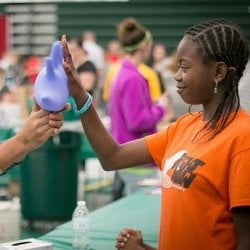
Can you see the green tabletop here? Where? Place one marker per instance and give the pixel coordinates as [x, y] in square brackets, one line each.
[139, 210]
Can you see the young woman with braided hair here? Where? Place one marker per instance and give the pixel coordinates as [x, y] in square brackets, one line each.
[204, 157]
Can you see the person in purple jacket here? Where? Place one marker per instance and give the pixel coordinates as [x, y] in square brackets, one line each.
[132, 112]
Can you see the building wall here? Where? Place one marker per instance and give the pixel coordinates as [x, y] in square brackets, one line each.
[167, 19]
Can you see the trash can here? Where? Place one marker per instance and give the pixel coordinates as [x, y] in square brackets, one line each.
[49, 179]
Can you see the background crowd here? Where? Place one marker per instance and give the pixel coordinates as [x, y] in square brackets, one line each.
[97, 67]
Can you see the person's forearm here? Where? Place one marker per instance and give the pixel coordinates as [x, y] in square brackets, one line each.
[112, 155]
[12, 151]
[101, 141]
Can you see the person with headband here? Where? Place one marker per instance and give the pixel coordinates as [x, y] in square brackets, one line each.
[244, 90]
[132, 48]
[203, 157]
[132, 112]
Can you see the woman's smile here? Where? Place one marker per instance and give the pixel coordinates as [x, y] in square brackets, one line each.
[180, 89]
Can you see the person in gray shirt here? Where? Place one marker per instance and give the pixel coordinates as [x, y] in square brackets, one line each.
[244, 88]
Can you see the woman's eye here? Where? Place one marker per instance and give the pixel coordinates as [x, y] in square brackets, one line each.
[181, 66]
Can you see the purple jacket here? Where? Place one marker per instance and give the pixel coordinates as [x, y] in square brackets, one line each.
[132, 112]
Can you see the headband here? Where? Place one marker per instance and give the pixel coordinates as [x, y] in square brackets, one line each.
[138, 45]
[232, 68]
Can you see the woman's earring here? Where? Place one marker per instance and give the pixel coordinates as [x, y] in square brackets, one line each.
[216, 87]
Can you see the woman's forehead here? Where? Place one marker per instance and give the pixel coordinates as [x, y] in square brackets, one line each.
[188, 49]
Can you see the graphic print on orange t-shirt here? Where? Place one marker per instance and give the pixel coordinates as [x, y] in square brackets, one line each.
[178, 170]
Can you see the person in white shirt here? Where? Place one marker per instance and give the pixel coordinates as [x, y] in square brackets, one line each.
[244, 88]
[97, 57]
[94, 50]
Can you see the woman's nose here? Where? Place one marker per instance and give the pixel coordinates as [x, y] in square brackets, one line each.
[177, 75]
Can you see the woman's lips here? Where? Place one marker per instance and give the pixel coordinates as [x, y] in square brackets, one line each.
[180, 89]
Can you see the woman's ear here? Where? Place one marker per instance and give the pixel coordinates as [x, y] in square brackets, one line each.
[220, 71]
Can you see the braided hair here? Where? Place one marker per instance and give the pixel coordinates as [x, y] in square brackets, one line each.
[220, 40]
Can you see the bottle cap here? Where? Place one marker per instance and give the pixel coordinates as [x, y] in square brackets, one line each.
[81, 203]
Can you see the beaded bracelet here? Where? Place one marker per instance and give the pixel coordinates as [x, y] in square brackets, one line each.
[85, 107]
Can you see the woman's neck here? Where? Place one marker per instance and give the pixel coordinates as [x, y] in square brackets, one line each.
[135, 58]
[210, 110]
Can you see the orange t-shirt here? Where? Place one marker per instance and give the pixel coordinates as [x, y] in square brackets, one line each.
[201, 182]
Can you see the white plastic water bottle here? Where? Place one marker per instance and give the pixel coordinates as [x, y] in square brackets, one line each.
[80, 224]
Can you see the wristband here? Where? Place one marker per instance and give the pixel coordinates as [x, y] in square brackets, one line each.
[85, 107]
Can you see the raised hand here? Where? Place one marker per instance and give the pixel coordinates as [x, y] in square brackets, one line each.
[73, 79]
